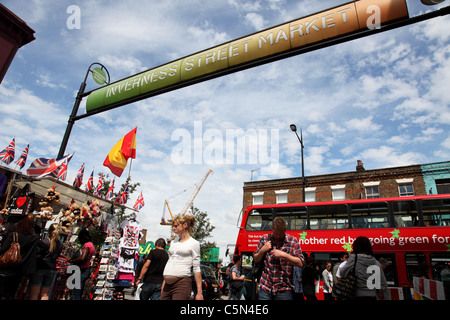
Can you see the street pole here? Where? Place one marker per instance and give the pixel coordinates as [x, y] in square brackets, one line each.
[76, 106]
[300, 139]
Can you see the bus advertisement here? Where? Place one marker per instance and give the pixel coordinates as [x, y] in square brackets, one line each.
[407, 233]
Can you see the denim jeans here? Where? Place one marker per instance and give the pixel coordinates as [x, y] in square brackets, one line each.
[77, 293]
[281, 295]
[150, 291]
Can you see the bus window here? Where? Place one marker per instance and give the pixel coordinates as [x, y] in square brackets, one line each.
[370, 215]
[328, 217]
[440, 266]
[415, 264]
[322, 258]
[436, 212]
[405, 213]
[389, 267]
[296, 218]
[259, 220]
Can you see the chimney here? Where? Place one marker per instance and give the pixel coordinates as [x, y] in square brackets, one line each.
[359, 166]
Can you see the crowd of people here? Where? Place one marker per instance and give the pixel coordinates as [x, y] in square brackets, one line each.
[287, 272]
[290, 274]
[38, 259]
[164, 276]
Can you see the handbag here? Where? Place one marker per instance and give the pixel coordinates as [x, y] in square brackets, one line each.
[236, 285]
[11, 257]
[346, 288]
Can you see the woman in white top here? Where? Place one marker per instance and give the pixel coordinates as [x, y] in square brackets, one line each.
[184, 254]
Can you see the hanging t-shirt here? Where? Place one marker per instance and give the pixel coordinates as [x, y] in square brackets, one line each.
[131, 231]
[126, 259]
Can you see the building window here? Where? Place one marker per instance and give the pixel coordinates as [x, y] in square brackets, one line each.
[310, 194]
[372, 189]
[338, 192]
[442, 186]
[282, 196]
[405, 187]
[257, 197]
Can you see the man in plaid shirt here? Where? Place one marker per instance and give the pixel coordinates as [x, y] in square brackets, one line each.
[283, 252]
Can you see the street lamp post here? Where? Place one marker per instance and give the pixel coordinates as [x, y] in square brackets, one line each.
[76, 105]
[300, 139]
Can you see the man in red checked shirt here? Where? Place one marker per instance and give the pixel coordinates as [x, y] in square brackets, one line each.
[283, 253]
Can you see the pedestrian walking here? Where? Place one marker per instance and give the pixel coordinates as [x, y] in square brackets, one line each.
[48, 250]
[184, 254]
[237, 280]
[298, 284]
[327, 277]
[283, 252]
[10, 278]
[335, 271]
[83, 261]
[309, 278]
[151, 274]
[370, 282]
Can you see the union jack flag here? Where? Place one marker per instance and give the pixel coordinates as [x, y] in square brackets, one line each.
[139, 203]
[98, 190]
[110, 192]
[7, 155]
[62, 170]
[23, 157]
[90, 183]
[122, 197]
[79, 178]
[43, 167]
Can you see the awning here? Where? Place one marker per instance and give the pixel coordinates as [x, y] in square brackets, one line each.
[67, 192]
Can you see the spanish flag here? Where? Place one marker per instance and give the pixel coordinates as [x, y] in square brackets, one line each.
[125, 148]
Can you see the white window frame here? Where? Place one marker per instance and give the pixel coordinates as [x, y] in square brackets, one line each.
[336, 192]
[405, 182]
[310, 194]
[282, 196]
[372, 184]
[258, 198]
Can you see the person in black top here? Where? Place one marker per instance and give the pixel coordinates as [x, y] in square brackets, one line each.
[152, 272]
[10, 277]
[48, 251]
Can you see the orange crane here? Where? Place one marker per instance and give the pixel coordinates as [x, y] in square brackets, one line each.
[188, 204]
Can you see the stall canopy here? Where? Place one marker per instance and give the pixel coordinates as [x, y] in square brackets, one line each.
[67, 192]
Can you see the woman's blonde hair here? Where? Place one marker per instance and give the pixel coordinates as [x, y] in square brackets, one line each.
[189, 220]
[53, 235]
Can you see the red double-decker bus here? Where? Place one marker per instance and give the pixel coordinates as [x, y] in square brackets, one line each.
[407, 232]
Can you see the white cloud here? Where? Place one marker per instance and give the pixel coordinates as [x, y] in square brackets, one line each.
[364, 124]
[255, 20]
[124, 65]
[385, 156]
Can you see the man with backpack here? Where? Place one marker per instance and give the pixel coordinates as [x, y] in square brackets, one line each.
[280, 253]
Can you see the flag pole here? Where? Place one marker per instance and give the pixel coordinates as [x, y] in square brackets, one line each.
[129, 170]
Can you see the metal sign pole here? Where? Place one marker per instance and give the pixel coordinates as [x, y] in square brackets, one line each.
[76, 106]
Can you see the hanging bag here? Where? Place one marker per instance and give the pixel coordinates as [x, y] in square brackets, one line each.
[22, 204]
[11, 257]
[346, 288]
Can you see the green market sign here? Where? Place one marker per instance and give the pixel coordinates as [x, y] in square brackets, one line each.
[266, 46]
[99, 76]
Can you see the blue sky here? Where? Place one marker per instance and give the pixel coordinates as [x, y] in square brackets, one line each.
[383, 99]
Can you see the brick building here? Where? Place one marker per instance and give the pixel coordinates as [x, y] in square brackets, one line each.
[14, 33]
[358, 184]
